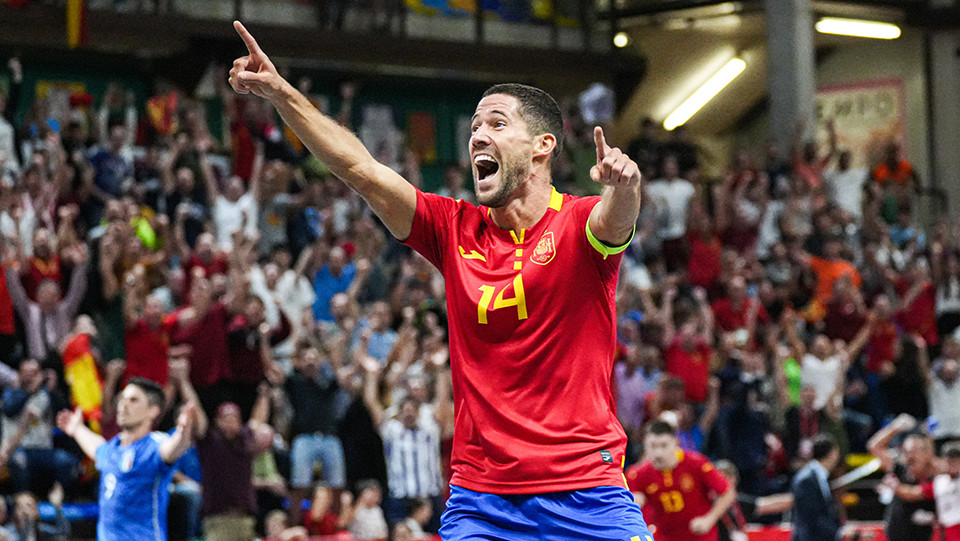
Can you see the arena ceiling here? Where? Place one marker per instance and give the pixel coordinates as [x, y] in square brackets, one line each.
[685, 41]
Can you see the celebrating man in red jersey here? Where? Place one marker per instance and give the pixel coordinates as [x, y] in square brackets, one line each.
[531, 277]
[682, 494]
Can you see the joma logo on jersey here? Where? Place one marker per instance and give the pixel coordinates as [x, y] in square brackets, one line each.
[545, 250]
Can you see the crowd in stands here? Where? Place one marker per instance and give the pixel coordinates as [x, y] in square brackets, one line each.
[793, 297]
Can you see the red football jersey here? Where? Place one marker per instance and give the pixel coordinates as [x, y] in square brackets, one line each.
[675, 497]
[532, 339]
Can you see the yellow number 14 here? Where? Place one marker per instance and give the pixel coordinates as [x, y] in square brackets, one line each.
[519, 300]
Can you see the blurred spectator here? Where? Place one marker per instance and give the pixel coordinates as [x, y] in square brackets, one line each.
[43, 264]
[636, 376]
[285, 291]
[688, 347]
[202, 325]
[277, 528]
[373, 335]
[846, 184]
[453, 181]
[905, 386]
[147, 335]
[366, 517]
[411, 441]
[335, 274]
[945, 269]
[312, 390]
[233, 209]
[741, 202]
[187, 469]
[645, 148]
[671, 197]
[320, 518]
[49, 319]
[26, 524]
[942, 489]
[227, 449]
[250, 340]
[9, 155]
[703, 265]
[808, 164]
[685, 152]
[739, 310]
[28, 415]
[912, 463]
[732, 524]
[113, 173]
[944, 392]
[918, 297]
[805, 423]
[419, 513]
[895, 175]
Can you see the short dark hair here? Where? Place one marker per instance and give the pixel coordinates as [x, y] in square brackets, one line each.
[951, 450]
[364, 484]
[538, 109]
[150, 388]
[416, 503]
[822, 445]
[661, 428]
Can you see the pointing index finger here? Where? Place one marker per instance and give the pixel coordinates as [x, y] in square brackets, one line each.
[247, 37]
[600, 142]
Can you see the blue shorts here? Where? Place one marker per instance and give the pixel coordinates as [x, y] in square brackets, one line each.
[593, 514]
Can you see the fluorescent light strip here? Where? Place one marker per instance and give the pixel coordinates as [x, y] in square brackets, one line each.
[857, 28]
[705, 93]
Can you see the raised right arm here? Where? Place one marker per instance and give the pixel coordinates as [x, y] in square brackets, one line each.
[391, 197]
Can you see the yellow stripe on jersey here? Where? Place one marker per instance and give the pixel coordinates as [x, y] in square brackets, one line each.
[518, 240]
[605, 250]
[556, 200]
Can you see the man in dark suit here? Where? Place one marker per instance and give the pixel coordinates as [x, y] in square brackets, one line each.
[815, 513]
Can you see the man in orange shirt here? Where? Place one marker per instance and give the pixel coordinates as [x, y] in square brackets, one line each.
[895, 175]
[829, 268]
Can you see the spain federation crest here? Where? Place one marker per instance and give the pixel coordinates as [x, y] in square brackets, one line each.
[545, 250]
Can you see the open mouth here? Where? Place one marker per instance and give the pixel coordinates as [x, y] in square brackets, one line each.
[486, 166]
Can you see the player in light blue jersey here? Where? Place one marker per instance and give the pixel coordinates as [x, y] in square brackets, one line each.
[136, 466]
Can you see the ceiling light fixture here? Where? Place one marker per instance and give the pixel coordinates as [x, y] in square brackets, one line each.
[621, 40]
[857, 28]
[705, 93]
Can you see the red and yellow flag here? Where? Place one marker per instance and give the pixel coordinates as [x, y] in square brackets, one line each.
[80, 371]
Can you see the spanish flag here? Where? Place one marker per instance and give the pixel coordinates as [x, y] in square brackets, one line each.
[80, 371]
[76, 23]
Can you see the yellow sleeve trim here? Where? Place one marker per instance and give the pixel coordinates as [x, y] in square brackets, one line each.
[605, 250]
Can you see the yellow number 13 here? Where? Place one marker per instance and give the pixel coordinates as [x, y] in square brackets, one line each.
[519, 300]
[672, 501]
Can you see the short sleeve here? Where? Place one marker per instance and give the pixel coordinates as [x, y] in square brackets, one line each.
[100, 457]
[713, 478]
[927, 490]
[632, 476]
[432, 221]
